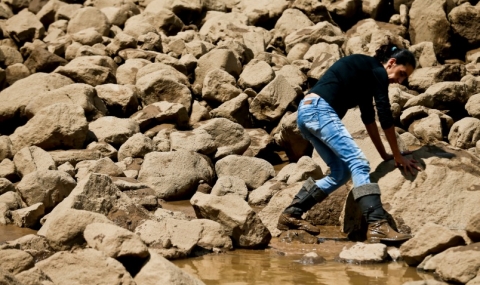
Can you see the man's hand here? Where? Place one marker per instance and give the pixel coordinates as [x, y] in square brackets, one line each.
[408, 164]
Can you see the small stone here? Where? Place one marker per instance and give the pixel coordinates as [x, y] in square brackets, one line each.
[311, 258]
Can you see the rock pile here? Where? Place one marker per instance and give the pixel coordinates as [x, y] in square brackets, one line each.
[108, 106]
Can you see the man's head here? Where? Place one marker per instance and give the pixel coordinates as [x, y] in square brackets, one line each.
[397, 72]
[399, 63]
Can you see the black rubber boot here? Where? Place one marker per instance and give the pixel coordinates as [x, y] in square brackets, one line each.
[291, 218]
[371, 207]
[378, 228]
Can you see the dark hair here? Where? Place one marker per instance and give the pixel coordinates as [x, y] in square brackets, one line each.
[401, 55]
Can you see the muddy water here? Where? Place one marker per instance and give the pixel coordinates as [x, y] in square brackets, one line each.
[11, 232]
[280, 263]
[245, 267]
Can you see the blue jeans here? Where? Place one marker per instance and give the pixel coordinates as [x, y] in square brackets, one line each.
[320, 125]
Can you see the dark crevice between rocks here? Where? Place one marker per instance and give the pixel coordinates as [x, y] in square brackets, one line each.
[133, 264]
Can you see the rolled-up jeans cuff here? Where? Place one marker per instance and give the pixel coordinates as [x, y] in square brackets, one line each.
[366, 189]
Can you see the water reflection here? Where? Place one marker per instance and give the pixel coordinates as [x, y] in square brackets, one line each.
[245, 267]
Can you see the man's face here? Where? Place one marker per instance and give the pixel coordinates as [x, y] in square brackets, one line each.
[397, 73]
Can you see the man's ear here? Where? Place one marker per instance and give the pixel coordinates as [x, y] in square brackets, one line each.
[391, 61]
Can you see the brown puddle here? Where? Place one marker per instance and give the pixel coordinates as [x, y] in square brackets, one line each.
[11, 232]
[279, 264]
[245, 267]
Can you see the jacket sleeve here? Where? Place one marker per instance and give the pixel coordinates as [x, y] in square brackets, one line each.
[380, 95]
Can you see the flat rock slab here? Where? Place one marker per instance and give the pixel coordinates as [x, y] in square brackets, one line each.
[431, 239]
[364, 253]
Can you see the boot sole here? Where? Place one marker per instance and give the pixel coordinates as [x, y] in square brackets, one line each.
[282, 227]
[286, 228]
[379, 240]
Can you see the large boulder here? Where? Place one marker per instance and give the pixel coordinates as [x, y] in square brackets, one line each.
[160, 113]
[441, 193]
[213, 235]
[428, 129]
[162, 86]
[175, 174]
[272, 102]
[322, 56]
[16, 97]
[113, 130]
[290, 21]
[137, 145]
[86, 266]
[49, 187]
[33, 158]
[197, 141]
[456, 265]
[431, 239]
[223, 59]
[224, 26]
[438, 29]
[66, 230]
[235, 110]
[304, 168]
[259, 12]
[425, 54]
[219, 86]
[92, 70]
[56, 126]
[442, 96]
[102, 166]
[41, 60]
[89, 17]
[247, 230]
[464, 21]
[170, 234]
[78, 94]
[29, 216]
[230, 185]
[422, 78]
[98, 194]
[254, 171]
[465, 133]
[256, 74]
[121, 100]
[162, 21]
[114, 241]
[127, 72]
[15, 261]
[187, 11]
[367, 35]
[321, 32]
[229, 137]
[24, 27]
